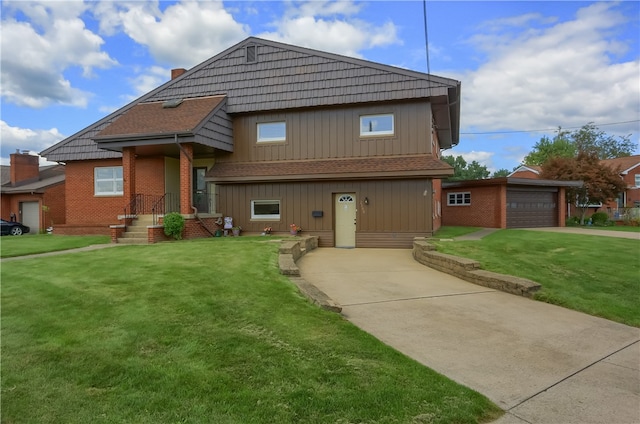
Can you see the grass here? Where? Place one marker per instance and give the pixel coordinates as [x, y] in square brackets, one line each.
[596, 275]
[11, 246]
[453, 231]
[199, 331]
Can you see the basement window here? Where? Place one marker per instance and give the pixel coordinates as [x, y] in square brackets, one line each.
[108, 181]
[459, 199]
[265, 209]
[272, 131]
[374, 125]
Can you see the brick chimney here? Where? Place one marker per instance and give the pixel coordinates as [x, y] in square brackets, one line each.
[23, 167]
[175, 73]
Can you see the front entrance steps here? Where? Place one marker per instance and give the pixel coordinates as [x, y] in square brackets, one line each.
[137, 233]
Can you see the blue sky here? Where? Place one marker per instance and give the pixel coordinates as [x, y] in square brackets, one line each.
[524, 66]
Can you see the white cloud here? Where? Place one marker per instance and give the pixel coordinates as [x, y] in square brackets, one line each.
[16, 138]
[304, 25]
[553, 75]
[36, 52]
[183, 35]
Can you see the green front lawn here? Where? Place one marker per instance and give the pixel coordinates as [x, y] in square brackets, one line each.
[453, 231]
[592, 274]
[194, 332]
[30, 244]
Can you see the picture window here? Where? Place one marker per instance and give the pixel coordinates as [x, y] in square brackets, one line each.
[265, 209]
[108, 181]
[372, 125]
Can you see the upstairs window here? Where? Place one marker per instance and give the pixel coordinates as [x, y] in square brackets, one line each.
[459, 199]
[252, 54]
[272, 131]
[373, 125]
[108, 181]
[637, 180]
[265, 209]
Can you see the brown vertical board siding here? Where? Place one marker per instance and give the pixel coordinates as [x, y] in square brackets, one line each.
[334, 133]
[397, 211]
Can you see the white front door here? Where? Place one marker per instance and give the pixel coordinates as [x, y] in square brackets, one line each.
[345, 212]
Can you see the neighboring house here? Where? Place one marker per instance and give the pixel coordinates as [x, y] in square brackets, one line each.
[505, 202]
[272, 135]
[526, 171]
[34, 195]
[629, 169]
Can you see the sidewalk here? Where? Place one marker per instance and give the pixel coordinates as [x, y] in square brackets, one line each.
[60, 252]
[539, 362]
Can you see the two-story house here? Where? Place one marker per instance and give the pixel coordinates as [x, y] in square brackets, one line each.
[272, 135]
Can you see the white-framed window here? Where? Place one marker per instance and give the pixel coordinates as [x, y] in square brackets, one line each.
[265, 209]
[637, 180]
[108, 181]
[272, 131]
[376, 125]
[459, 199]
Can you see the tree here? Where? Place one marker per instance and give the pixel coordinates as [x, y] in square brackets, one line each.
[501, 173]
[590, 139]
[545, 149]
[587, 139]
[464, 170]
[600, 183]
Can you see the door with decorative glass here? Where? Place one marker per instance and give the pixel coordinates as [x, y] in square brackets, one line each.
[345, 214]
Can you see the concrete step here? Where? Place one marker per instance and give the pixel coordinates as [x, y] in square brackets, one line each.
[138, 240]
[135, 234]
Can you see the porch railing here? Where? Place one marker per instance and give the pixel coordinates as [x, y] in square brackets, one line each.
[167, 203]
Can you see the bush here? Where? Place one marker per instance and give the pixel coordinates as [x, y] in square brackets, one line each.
[600, 219]
[173, 225]
[572, 221]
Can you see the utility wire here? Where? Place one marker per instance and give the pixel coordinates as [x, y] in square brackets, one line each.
[426, 34]
[545, 130]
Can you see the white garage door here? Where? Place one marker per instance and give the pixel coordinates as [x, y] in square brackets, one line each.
[31, 216]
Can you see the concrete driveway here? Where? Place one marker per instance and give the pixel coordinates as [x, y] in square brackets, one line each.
[541, 363]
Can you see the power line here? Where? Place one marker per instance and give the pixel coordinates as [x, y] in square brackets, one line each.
[544, 130]
[426, 34]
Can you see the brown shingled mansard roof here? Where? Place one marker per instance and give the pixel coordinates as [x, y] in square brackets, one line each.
[327, 169]
[283, 77]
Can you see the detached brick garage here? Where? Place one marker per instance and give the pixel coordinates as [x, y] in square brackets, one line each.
[505, 203]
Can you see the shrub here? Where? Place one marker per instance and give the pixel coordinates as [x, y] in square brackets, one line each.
[572, 221]
[173, 225]
[600, 219]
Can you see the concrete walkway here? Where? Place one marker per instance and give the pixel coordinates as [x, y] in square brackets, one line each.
[540, 363]
[61, 252]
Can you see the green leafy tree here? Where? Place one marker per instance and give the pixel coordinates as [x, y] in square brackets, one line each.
[464, 170]
[591, 139]
[586, 139]
[600, 183]
[558, 147]
[501, 173]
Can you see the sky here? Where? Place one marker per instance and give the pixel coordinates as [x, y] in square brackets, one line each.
[526, 68]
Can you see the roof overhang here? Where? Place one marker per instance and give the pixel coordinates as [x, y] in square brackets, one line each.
[446, 114]
[509, 181]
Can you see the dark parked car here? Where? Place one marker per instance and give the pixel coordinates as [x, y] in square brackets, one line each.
[13, 228]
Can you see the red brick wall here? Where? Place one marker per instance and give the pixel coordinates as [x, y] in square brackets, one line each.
[150, 175]
[54, 198]
[525, 174]
[486, 209]
[83, 207]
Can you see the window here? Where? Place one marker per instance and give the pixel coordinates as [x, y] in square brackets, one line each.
[272, 131]
[252, 54]
[637, 180]
[108, 181]
[458, 199]
[265, 209]
[376, 125]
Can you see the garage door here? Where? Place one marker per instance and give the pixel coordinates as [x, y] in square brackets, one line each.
[31, 215]
[531, 208]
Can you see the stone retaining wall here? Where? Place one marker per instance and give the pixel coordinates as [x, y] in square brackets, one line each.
[290, 252]
[469, 270]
